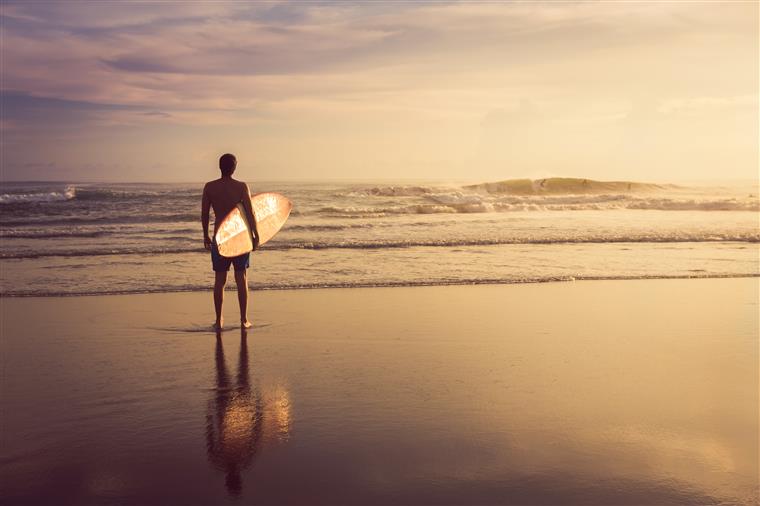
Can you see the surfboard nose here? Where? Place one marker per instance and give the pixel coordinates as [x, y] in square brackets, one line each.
[271, 210]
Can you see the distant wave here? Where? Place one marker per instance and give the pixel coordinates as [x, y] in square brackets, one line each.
[410, 243]
[70, 232]
[100, 194]
[12, 198]
[392, 191]
[103, 220]
[551, 194]
[95, 252]
[524, 187]
[37, 292]
[125, 194]
[326, 227]
[565, 185]
[331, 227]
[14, 234]
[465, 204]
[695, 204]
[548, 186]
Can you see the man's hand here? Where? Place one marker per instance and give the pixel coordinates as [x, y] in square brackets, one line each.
[255, 243]
[207, 243]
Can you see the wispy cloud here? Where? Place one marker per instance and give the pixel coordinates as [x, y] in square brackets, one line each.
[373, 65]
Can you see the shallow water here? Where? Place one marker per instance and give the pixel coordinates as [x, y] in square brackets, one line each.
[600, 392]
[65, 239]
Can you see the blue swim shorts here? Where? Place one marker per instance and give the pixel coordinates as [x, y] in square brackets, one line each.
[222, 264]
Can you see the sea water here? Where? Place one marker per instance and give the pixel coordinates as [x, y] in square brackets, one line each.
[73, 238]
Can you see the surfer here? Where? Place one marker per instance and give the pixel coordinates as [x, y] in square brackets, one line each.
[222, 195]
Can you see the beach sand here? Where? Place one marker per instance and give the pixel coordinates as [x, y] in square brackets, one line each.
[596, 392]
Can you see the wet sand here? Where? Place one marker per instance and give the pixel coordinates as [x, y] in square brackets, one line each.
[597, 392]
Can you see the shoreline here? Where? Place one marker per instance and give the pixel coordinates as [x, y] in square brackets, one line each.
[337, 286]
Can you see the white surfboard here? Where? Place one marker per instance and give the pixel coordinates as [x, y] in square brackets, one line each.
[234, 237]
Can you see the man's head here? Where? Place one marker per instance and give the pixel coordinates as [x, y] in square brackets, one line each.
[227, 164]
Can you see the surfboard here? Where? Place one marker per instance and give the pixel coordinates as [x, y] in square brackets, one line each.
[234, 236]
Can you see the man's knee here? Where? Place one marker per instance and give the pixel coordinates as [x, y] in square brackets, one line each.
[240, 276]
[221, 278]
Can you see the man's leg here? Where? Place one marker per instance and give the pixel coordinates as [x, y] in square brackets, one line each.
[241, 279]
[219, 282]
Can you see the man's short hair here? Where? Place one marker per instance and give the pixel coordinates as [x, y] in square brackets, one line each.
[227, 164]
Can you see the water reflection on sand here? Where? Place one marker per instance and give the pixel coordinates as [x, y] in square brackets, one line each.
[240, 418]
[599, 393]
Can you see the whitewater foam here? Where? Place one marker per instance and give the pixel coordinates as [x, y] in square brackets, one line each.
[14, 198]
[468, 204]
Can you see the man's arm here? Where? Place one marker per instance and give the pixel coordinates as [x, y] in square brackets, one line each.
[205, 205]
[250, 216]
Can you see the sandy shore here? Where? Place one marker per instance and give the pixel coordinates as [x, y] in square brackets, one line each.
[599, 392]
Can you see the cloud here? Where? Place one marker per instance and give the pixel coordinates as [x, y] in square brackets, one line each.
[159, 114]
[27, 116]
[696, 105]
[81, 16]
[127, 54]
[379, 72]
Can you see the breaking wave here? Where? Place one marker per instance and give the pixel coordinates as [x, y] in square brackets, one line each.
[85, 193]
[103, 194]
[13, 198]
[551, 194]
[392, 191]
[103, 220]
[456, 203]
[36, 234]
[566, 186]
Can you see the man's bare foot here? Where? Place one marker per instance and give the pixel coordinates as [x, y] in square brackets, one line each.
[218, 325]
[246, 325]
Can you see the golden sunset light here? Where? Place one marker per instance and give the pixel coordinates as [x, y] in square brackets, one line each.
[380, 252]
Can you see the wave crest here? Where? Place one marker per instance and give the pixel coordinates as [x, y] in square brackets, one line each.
[565, 185]
[463, 204]
[12, 198]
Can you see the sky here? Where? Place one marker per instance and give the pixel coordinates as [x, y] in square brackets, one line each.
[656, 91]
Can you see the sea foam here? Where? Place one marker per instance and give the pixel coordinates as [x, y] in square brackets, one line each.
[55, 196]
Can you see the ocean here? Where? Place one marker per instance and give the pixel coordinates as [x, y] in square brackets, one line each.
[71, 238]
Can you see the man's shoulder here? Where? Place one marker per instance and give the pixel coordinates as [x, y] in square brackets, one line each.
[222, 183]
[241, 184]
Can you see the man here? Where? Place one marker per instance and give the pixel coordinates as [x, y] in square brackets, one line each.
[223, 195]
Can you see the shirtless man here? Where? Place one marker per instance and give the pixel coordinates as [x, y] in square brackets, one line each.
[223, 195]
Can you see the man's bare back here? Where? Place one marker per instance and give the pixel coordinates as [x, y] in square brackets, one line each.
[223, 195]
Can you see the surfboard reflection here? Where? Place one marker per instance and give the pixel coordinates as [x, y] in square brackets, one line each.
[240, 420]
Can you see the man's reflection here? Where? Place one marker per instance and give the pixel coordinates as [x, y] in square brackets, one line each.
[234, 419]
